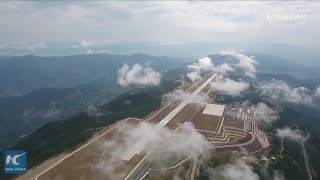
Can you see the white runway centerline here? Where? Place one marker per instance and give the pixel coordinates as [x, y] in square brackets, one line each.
[174, 112]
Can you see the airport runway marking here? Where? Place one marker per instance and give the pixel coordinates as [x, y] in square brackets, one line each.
[175, 99]
[98, 137]
[77, 150]
[175, 111]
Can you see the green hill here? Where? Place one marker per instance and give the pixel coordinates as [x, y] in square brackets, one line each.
[60, 136]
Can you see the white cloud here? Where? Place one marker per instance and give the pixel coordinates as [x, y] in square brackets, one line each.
[203, 65]
[239, 171]
[317, 92]
[93, 111]
[277, 89]
[85, 43]
[52, 112]
[242, 169]
[186, 142]
[278, 176]
[246, 63]
[194, 76]
[138, 75]
[291, 134]
[229, 86]
[267, 114]
[223, 68]
[181, 95]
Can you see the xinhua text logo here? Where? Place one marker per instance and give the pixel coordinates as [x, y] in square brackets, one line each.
[286, 17]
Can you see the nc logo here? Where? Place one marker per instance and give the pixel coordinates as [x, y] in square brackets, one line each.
[14, 158]
[15, 162]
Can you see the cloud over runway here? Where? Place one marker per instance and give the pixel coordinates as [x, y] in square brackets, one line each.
[185, 142]
[181, 95]
[229, 86]
[204, 65]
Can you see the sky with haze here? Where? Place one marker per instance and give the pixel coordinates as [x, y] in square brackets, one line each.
[169, 22]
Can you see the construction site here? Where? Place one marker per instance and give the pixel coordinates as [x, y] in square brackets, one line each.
[227, 127]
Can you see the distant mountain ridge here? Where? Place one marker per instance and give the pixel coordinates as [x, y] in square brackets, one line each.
[60, 136]
[20, 115]
[22, 74]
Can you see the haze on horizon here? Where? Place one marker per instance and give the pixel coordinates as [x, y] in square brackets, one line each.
[164, 23]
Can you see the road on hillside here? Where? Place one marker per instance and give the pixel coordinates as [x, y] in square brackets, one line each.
[306, 161]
